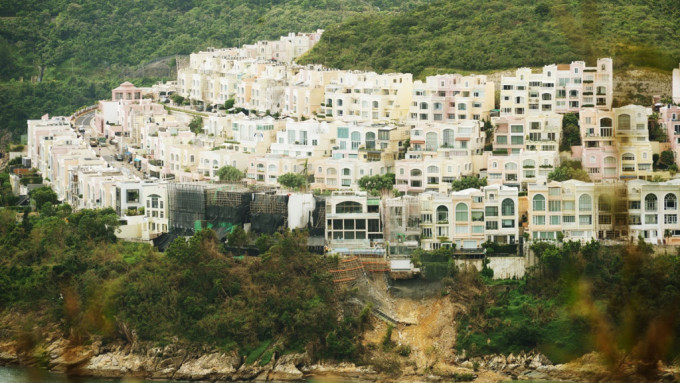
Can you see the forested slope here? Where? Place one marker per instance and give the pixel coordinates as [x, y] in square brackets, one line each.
[80, 45]
[498, 34]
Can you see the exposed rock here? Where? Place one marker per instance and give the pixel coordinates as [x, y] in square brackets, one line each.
[210, 366]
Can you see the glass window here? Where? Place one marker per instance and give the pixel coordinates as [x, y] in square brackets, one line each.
[348, 207]
[477, 216]
[442, 214]
[670, 202]
[343, 132]
[491, 211]
[585, 203]
[554, 205]
[650, 202]
[539, 202]
[461, 212]
[554, 219]
[508, 207]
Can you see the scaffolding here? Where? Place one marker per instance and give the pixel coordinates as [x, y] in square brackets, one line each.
[347, 271]
[227, 206]
[186, 207]
[401, 217]
[268, 213]
[317, 223]
[372, 260]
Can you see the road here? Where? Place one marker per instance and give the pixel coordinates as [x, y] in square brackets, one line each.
[107, 152]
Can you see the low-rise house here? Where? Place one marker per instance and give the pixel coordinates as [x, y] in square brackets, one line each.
[540, 132]
[451, 97]
[522, 169]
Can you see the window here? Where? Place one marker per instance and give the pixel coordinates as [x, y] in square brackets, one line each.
[635, 220]
[427, 232]
[416, 173]
[461, 212]
[343, 132]
[554, 205]
[554, 219]
[491, 211]
[492, 225]
[461, 229]
[670, 219]
[346, 172]
[650, 202]
[634, 205]
[585, 203]
[605, 219]
[356, 140]
[539, 220]
[650, 219]
[569, 219]
[585, 219]
[448, 138]
[539, 202]
[431, 141]
[624, 122]
[502, 140]
[670, 202]
[433, 169]
[508, 207]
[507, 223]
[348, 207]
[511, 166]
[517, 140]
[370, 140]
[517, 129]
[442, 214]
[477, 229]
[477, 216]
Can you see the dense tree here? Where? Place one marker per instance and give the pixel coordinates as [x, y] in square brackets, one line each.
[196, 125]
[229, 173]
[571, 134]
[43, 195]
[431, 38]
[292, 180]
[378, 183]
[569, 170]
[467, 183]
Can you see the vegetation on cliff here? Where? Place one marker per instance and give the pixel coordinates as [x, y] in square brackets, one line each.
[67, 268]
[473, 35]
[619, 300]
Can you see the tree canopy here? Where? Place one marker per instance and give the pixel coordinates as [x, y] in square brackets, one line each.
[378, 183]
[292, 180]
[229, 173]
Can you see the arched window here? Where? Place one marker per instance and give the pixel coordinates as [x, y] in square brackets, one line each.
[585, 203]
[348, 207]
[650, 202]
[433, 169]
[152, 201]
[610, 160]
[508, 207]
[539, 202]
[319, 169]
[628, 157]
[356, 140]
[529, 164]
[547, 97]
[272, 168]
[416, 173]
[448, 138]
[604, 202]
[331, 172]
[606, 122]
[442, 213]
[370, 140]
[431, 141]
[670, 201]
[260, 167]
[461, 212]
[511, 166]
[624, 122]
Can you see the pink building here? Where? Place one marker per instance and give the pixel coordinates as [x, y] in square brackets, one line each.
[669, 117]
[126, 92]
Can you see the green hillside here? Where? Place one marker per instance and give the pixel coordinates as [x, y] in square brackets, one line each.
[75, 46]
[499, 34]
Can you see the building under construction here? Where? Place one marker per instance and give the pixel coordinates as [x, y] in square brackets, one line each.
[401, 224]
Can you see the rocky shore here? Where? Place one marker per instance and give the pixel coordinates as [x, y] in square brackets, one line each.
[179, 362]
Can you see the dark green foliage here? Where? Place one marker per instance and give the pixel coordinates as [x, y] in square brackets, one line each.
[196, 125]
[292, 180]
[666, 159]
[582, 298]
[238, 237]
[229, 103]
[467, 183]
[571, 135]
[194, 292]
[43, 195]
[435, 264]
[377, 184]
[229, 173]
[569, 170]
[473, 35]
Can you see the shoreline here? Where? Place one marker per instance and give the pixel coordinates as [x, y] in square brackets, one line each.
[194, 363]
